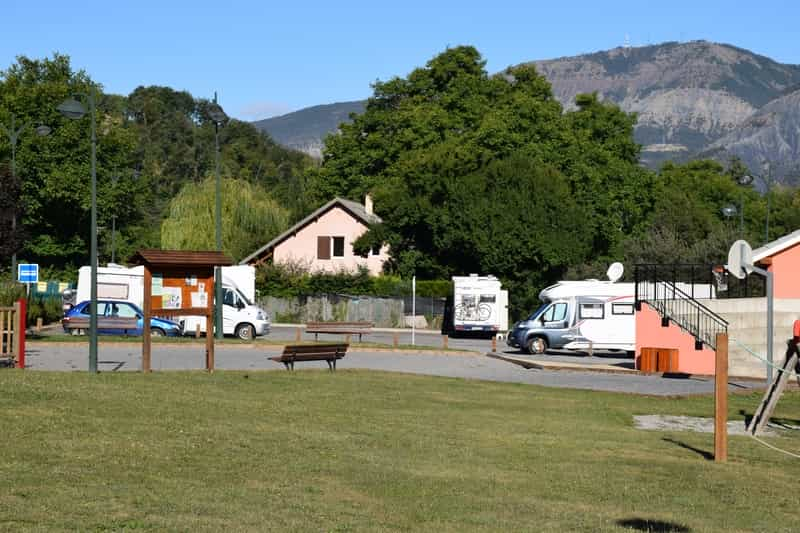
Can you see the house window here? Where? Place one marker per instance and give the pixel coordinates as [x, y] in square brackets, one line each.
[376, 250]
[338, 246]
[592, 311]
[621, 309]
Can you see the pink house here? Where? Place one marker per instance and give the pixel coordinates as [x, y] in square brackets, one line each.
[323, 241]
[782, 258]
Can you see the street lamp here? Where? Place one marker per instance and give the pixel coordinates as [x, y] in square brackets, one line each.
[219, 117]
[729, 211]
[744, 180]
[75, 110]
[13, 135]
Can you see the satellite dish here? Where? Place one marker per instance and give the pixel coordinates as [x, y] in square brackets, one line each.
[740, 259]
[614, 272]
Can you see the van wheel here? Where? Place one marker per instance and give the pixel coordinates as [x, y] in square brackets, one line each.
[245, 332]
[536, 345]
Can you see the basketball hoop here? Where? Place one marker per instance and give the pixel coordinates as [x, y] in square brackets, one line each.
[720, 279]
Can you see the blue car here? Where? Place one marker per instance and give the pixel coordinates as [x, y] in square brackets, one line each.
[76, 320]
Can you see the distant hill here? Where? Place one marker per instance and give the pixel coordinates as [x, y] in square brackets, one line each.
[305, 130]
[688, 96]
[771, 134]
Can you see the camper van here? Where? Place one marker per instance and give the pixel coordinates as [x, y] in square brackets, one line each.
[578, 315]
[479, 304]
[240, 316]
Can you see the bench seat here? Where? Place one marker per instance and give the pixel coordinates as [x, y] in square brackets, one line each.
[329, 353]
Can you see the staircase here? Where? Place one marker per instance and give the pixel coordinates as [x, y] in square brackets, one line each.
[676, 301]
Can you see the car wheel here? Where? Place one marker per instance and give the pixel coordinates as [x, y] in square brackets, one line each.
[245, 332]
[155, 332]
[536, 345]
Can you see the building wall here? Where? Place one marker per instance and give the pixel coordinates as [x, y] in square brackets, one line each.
[786, 272]
[650, 333]
[302, 247]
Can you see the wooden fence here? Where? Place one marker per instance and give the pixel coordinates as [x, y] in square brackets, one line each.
[12, 334]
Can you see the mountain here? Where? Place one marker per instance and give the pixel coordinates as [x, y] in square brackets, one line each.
[771, 134]
[688, 96]
[305, 130]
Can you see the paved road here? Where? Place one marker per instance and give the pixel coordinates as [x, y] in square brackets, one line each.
[127, 357]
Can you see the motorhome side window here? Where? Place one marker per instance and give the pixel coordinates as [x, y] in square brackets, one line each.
[487, 298]
[621, 309]
[591, 311]
[555, 313]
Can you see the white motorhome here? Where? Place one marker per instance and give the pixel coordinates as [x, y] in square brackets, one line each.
[479, 304]
[579, 315]
[240, 316]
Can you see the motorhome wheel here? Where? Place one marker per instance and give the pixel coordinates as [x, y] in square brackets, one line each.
[245, 332]
[536, 345]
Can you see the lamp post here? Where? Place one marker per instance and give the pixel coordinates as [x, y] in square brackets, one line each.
[219, 117]
[13, 135]
[75, 110]
[744, 180]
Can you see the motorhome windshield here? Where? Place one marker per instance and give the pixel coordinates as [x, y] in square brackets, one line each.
[538, 312]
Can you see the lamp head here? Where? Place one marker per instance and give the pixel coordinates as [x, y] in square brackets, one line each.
[71, 108]
[728, 211]
[745, 179]
[43, 130]
[217, 114]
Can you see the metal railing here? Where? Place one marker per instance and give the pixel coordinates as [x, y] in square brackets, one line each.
[677, 306]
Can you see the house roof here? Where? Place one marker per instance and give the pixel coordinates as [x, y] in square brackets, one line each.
[776, 246]
[181, 258]
[355, 209]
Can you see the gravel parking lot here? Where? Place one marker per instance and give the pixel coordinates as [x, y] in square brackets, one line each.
[115, 357]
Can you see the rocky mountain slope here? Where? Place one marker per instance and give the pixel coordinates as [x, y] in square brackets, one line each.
[688, 96]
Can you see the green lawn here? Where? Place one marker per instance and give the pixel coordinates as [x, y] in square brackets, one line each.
[359, 450]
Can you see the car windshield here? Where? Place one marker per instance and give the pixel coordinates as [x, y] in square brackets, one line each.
[538, 312]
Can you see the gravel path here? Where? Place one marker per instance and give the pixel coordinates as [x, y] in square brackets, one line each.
[127, 357]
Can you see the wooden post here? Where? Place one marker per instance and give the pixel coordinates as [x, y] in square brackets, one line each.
[444, 341]
[148, 310]
[395, 339]
[197, 329]
[494, 343]
[39, 325]
[297, 335]
[591, 349]
[19, 325]
[721, 399]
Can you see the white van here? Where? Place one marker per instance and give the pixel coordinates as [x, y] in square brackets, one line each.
[240, 316]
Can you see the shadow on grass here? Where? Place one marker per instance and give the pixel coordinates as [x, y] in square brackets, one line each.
[708, 456]
[646, 524]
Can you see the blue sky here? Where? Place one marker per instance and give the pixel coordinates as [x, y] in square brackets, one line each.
[267, 58]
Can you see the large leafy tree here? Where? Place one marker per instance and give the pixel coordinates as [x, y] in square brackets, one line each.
[250, 218]
[475, 171]
[54, 171]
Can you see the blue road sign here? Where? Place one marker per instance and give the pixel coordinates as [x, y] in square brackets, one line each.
[28, 273]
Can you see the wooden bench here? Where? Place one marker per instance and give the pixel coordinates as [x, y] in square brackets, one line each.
[341, 328]
[76, 324]
[311, 352]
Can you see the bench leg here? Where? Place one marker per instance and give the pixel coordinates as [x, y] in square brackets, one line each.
[286, 364]
[331, 364]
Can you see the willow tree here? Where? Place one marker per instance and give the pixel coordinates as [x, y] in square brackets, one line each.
[250, 218]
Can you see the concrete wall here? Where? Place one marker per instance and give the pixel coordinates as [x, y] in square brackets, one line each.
[336, 222]
[747, 324]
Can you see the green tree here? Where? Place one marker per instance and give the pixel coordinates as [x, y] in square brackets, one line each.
[250, 218]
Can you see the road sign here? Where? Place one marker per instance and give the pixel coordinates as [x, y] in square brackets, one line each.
[28, 273]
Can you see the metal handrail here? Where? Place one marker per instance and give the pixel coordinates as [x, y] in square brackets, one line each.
[674, 304]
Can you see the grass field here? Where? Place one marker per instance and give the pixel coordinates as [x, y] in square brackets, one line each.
[359, 450]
